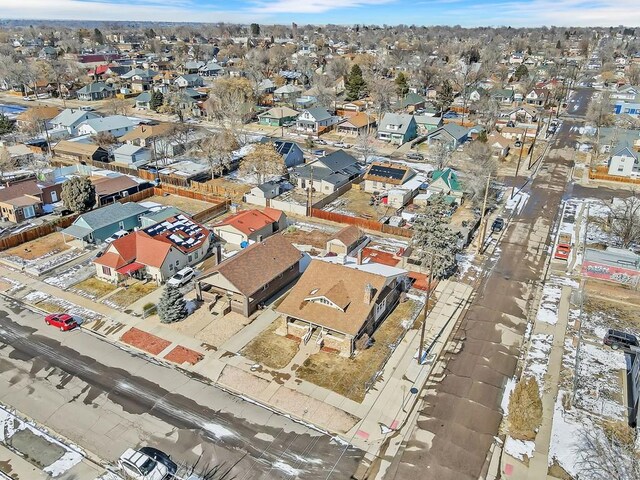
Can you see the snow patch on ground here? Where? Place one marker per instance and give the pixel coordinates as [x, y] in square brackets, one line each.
[75, 274]
[519, 448]
[286, 468]
[65, 306]
[536, 363]
[508, 388]
[548, 311]
[517, 203]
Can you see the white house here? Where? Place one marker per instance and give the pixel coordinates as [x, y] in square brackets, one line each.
[624, 162]
[116, 125]
[70, 118]
[132, 155]
[315, 120]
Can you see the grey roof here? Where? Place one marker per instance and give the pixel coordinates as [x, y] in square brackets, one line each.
[108, 215]
[211, 66]
[427, 120]
[161, 215]
[77, 231]
[192, 65]
[285, 89]
[402, 119]
[334, 168]
[455, 131]
[144, 97]
[190, 77]
[617, 257]
[96, 87]
[319, 113]
[128, 149]
[626, 151]
[141, 72]
[112, 122]
[71, 116]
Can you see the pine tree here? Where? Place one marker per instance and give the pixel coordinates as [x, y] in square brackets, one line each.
[521, 71]
[78, 194]
[6, 125]
[157, 99]
[355, 85]
[432, 236]
[172, 307]
[525, 409]
[402, 87]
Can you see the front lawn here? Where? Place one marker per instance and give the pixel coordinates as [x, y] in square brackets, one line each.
[94, 288]
[348, 376]
[47, 245]
[128, 295]
[270, 349]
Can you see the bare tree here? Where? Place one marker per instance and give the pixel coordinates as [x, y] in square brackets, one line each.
[7, 163]
[439, 154]
[483, 164]
[117, 106]
[263, 162]
[624, 219]
[365, 143]
[231, 104]
[104, 139]
[381, 91]
[218, 151]
[606, 457]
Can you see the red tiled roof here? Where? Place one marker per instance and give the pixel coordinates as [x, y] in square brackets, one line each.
[135, 247]
[248, 221]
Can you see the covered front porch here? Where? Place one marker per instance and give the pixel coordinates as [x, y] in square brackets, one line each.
[324, 337]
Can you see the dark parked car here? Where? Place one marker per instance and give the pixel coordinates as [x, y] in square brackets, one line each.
[161, 457]
[498, 225]
[617, 339]
[415, 156]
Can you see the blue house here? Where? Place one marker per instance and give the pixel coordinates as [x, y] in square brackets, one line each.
[631, 108]
[98, 225]
[450, 135]
[397, 128]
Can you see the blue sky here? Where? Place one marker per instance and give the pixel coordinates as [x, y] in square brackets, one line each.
[419, 12]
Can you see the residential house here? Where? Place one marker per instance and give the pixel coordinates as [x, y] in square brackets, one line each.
[383, 175]
[98, 225]
[131, 156]
[341, 303]
[504, 96]
[427, 123]
[327, 174]
[291, 153]
[250, 226]
[251, 277]
[156, 252]
[110, 189]
[499, 145]
[211, 69]
[37, 118]
[629, 107]
[278, 116]
[624, 162]
[95, 91]
[263, 193]
[397, 128]
[116, 125]
[625, 92]
[450, 135]
[412, 102]
[524, 114]
[143, 101]
[48, 53]
[138, 79]
[445, 182]
[145, 135]
[315, 121]
[346, 240]
[189, 80]
[538, 96]
[359, 124]
[286, 93]
[70, 119]
[192, 66]
[23, 200]
[80, 151]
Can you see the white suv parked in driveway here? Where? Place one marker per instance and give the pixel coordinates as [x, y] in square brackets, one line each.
[182, 277]
[139, 466]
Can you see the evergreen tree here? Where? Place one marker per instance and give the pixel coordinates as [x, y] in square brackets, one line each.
[6, 125]
[355, 84]
[157, 99]
[521, 72]
[255, 29]
[97, 36]
[78, 194]
[402, 87]
[432, 235]
[172, 307]
[559, 45]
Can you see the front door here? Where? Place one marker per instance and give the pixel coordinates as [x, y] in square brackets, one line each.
[54, 196]
[29, 212]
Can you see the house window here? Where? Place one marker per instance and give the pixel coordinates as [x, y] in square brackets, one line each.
[190, 257]
[177, 263]
[196, 254]
[106, 271]
[380, 308]
[121, 225]
[171, 267]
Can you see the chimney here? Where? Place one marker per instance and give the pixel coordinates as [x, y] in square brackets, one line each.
[368, 294]
[359, 257]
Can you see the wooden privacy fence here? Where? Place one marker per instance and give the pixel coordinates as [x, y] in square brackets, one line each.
[600, 175]
[36, 232]
[361, 222]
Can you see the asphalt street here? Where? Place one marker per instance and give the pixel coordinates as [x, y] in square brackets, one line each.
[106, 399]
[461, 414]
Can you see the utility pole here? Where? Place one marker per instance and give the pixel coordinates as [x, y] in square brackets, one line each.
[425, 311]
[515, 177]
[481, 228]
[310, 196]
[532, 146]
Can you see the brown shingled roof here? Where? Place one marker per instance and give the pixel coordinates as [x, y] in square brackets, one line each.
[323, 279]
[348, 235]
[258, 264]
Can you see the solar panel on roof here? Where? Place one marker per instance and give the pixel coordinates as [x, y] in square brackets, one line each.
[388, 172]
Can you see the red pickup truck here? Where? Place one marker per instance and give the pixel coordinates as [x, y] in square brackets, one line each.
[563, 249]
